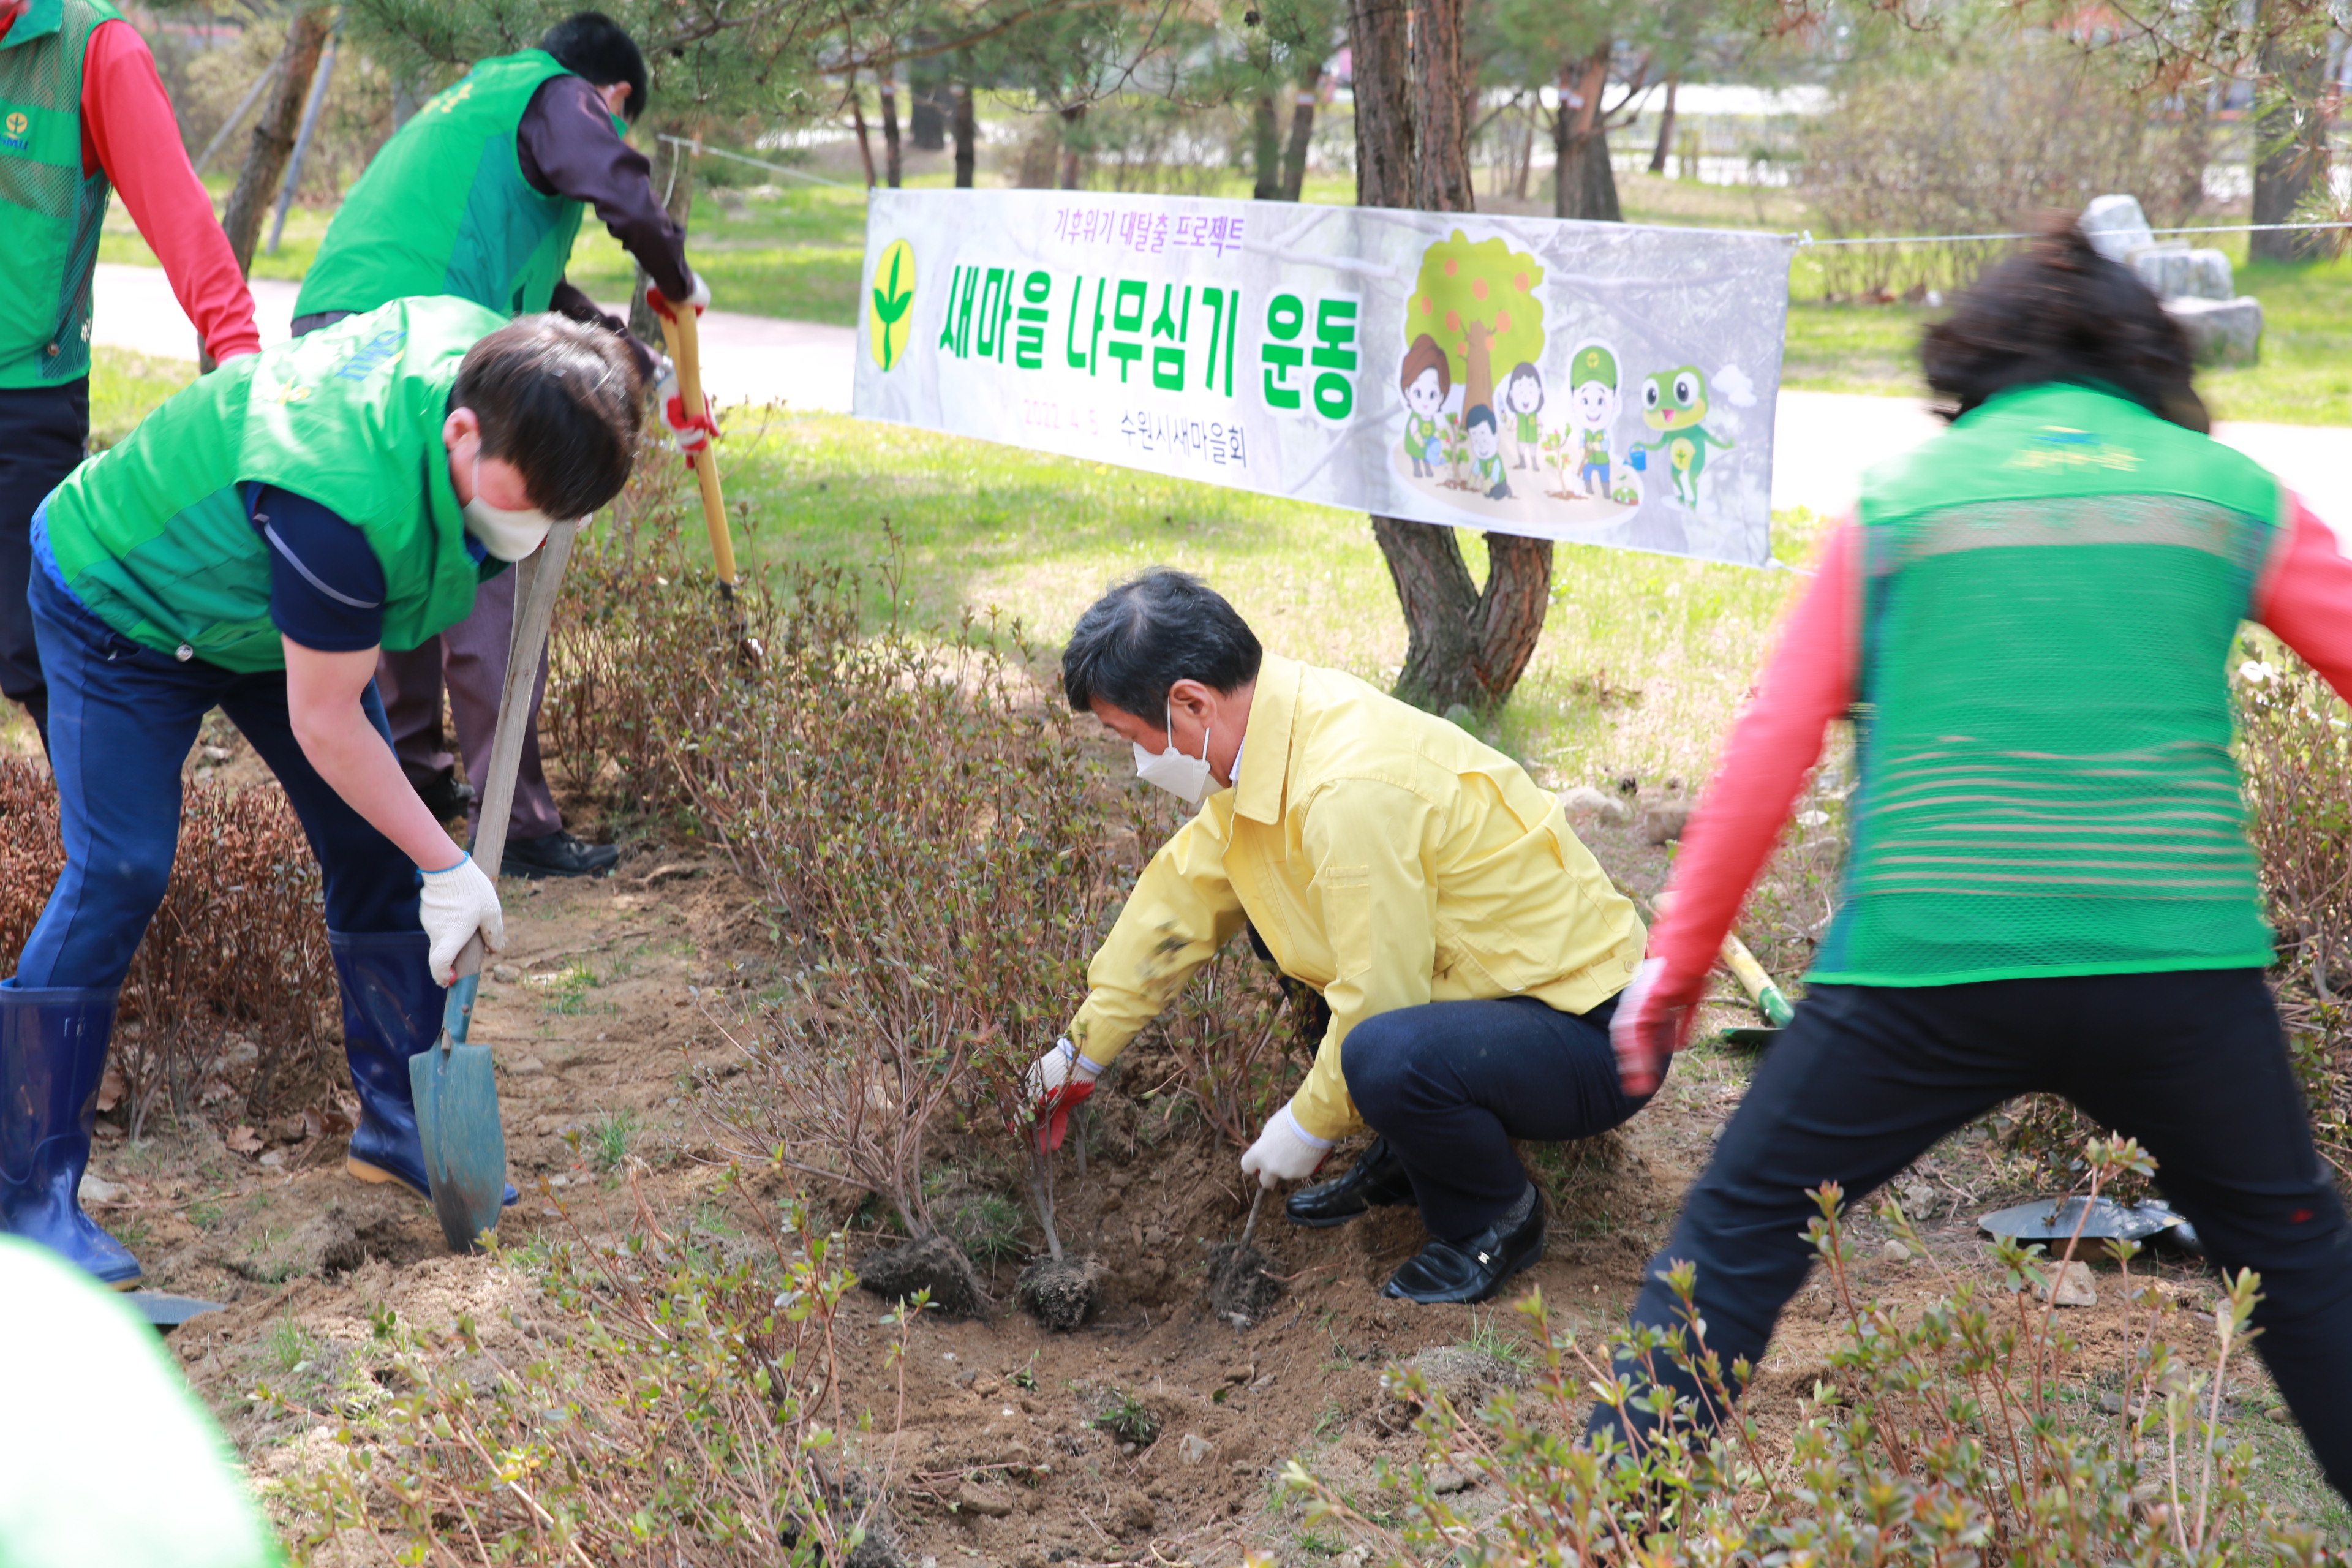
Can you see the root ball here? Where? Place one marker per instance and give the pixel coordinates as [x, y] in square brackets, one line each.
[1063, 1295]
[935, 1264]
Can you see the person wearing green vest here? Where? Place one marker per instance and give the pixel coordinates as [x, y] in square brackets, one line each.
[82, 114]
[251, 546]
[2049, 886]
[480, 194]
[103, 1383]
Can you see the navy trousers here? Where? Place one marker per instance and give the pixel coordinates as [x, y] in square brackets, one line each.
[121, 718]
[1867, 1078]
[1449, 1084]
[44, 431]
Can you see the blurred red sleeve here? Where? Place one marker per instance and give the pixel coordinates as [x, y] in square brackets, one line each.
[2306, 598]
[127, 129]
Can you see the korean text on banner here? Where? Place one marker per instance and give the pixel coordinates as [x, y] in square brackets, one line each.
[1604, 383]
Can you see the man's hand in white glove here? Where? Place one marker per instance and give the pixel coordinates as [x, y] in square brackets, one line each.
[1653, 1021]
[1057, 1083]
[687, 433]
[1285, 1152]
[459, 900]
[662, 305]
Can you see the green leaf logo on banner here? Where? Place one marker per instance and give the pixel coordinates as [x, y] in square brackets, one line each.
[890, 317]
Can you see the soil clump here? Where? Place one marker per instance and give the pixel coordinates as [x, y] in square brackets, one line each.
[935, 1263]
[1062, 1293]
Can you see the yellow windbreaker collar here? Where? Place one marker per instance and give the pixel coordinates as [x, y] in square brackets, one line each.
[1274, 708]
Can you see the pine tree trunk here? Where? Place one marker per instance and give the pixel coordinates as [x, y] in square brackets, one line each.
[857, 119]
[1073, 158]
[1583, 185]
[274, 132]
[1302, 133]
[893, 164]
[966, 133]
[1266, 148]
[1467, 645]
[1665, 128]
[2290, 149]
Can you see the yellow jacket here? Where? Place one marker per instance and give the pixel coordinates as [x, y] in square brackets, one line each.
[1387, 858]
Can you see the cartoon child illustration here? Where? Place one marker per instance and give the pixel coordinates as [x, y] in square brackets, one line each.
[1486, 453]
[1674, 402]
[1523, 399]
[1427, 379]
[1592, 410]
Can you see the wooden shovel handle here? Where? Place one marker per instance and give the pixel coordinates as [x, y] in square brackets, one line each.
[684, 340]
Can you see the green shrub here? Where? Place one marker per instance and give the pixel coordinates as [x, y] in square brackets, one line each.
[1954, 1434]
[677, 1408]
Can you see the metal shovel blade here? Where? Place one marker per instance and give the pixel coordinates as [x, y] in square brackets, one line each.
[458, 1123]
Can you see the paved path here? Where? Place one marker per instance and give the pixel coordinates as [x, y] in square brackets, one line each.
[1823, 441]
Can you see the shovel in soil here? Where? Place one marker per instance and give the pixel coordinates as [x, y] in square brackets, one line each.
[455, 1093]
[1240, 1287]
[1767, 997]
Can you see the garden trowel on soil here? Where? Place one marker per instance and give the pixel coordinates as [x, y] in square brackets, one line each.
[457, 1094]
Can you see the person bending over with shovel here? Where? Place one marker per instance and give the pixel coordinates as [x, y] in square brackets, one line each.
[2050, 887]
[251, 546]
[1469, 948]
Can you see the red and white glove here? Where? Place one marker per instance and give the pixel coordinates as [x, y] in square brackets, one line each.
[1285, 1152]
[1653, 1021]
[689, 436]
[1059, 1083]
[662, 305]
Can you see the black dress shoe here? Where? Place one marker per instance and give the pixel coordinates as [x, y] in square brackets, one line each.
[445, 795]
[1461, 1272]
[1378, 1177]
[558, 853]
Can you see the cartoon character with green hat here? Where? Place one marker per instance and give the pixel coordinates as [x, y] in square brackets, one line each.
[1591, 409]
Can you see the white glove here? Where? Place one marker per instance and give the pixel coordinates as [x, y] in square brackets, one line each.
[689, 436]
[698, 296]
[1285, 1152]
[459, 900]
[1059, 1068]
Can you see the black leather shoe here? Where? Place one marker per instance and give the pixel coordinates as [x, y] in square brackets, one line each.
[1377, 1178]
[558, 853]
[445, 795]
[1461, 1272]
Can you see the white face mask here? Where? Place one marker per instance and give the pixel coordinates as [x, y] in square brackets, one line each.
[509, 536]
[1186, 778]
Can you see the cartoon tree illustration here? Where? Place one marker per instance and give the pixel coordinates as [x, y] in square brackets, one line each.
[1479, 302]
[1457, 451]
[1560, 449]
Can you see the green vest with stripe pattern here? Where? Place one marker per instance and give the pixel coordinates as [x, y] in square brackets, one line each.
[2050, 590]
[49, 212]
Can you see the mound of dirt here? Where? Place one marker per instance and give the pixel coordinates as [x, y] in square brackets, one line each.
[1061, 1294]
[1241, 1286]
[935, 1264]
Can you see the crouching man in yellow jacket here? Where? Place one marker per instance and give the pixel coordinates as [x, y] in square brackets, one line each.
[1469, 948]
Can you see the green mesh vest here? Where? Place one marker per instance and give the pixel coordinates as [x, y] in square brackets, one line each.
[49, 214]
[444, 208]
[2052, 588]
[154, 536]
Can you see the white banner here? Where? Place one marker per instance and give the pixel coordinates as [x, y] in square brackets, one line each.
[1604, 383]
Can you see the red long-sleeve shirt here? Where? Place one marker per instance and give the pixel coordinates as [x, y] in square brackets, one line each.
[127, 129]
[1812, 679]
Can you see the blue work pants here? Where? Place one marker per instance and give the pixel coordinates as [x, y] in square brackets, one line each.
[121, 718]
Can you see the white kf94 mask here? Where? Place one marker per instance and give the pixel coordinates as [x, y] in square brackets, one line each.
[1186, 778]
[509, 536]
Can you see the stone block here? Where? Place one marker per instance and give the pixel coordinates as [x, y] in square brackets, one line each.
[2180, 273]
[2220, 332]
[2116, 226]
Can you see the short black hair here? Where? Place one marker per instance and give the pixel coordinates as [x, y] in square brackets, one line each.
[2061, 312]
[594, 48]
[1144, 637]
[561, 401]
[1479, 413]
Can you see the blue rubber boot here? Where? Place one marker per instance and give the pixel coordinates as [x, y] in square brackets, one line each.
[391, 1010]
[52, 1054]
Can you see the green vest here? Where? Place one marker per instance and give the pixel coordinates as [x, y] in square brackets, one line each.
[444, 209]
[2050, 592]
[49, 213]
[154, 535]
